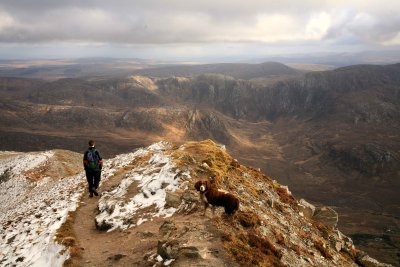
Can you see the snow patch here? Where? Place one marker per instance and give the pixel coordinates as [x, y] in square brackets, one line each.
[31, 212]
[153, 179]
[17, 163]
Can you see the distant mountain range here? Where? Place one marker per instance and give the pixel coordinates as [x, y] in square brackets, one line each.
[332, 136]
[242, 68]
[101, 68]
[236, 70]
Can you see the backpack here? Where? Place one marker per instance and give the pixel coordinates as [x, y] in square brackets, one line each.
[93, 159]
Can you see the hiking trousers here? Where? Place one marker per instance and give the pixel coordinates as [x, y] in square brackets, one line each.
[93, 179]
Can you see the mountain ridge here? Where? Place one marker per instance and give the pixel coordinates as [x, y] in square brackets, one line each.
[237, 70]
[271, 227]
[93, 70]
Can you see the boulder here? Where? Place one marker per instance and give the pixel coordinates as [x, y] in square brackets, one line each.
[337, 244]
[168, 249]
[306, 208]
[190, 196]
[205, 166]
[172, 199]
[367, 261]
[327, 216]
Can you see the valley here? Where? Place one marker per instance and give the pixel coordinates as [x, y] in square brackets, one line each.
[331, 136]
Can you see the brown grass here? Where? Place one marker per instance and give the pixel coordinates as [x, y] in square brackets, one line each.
[66, 229]
[244, 255]
[197, 153]
[285, 197]
[320, 226]
[264, 245]
[296, 249]
[62, 164]
[248, 219]
[279, 207]
[304, 235]
[247, 247]
[351, 253]
[322, 249]
[224, 171]
[252, 250]
[280, 239]
[65, 235]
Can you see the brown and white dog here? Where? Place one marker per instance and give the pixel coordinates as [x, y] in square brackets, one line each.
[215, 197]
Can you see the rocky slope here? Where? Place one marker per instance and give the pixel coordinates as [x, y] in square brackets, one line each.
[148, 195]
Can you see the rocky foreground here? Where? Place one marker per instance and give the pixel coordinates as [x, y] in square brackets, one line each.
[149, 214]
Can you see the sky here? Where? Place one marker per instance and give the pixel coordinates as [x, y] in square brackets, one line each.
[188, 30]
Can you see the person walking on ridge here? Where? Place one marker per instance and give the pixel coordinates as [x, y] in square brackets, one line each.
[93, 163]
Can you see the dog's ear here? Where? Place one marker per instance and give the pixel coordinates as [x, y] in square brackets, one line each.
[197, 185]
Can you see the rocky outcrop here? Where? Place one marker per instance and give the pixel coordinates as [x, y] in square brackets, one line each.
[327, 216]
[203, 125]
[369, 158]
[140, 120]
[366, 261]
[307, 209]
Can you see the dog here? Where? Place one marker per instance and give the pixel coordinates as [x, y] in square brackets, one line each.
[216, 197]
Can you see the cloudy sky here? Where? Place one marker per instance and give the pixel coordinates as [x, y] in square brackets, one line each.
[184, 29]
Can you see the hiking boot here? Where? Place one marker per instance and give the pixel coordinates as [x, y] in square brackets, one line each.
[91, 194]
[95, 192]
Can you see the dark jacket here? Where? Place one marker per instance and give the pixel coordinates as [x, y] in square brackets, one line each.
[86, 162]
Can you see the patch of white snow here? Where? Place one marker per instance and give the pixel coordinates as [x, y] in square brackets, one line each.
[154, 179]
[31, 212]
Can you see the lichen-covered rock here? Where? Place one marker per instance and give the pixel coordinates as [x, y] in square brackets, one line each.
[172, 199]
[306, 208]
[327, 216]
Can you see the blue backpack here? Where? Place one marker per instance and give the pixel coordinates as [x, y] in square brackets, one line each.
[93, 159]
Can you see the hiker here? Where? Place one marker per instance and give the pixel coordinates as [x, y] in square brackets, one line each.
[92, 162]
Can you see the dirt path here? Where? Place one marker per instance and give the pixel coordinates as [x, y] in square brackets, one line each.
[129, 247]
[117, 248]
